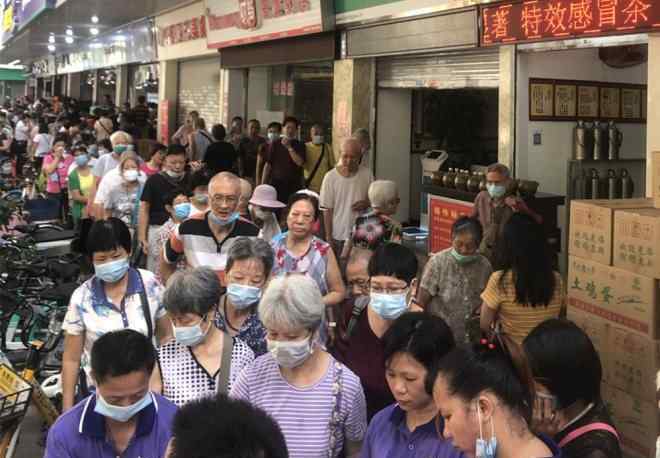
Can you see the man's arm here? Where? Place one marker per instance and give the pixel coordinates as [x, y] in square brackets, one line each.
[143, 226]
[295, 157]
[266, 175]
[327, 221]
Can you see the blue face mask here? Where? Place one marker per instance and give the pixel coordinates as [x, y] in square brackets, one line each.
[222, 221]
[496, 190]
[243, 296]
[485, 448]
[119, 413]
[389, 306]
[182, 210]
[462, 258]
[82, 160]
[113, 271]
[190, 336]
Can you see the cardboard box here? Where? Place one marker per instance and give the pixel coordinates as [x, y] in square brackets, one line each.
[591, 227]
[637, 241]
[655, 178]
[630, 361]
[636, 422]
[625, 298]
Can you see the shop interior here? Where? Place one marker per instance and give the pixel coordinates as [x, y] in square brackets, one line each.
[144, 81]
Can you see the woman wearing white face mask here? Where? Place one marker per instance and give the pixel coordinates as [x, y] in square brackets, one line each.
[263, 206]
[317, 401]
[201, 360]
[123, 200]
[249, 262]
[116, 297]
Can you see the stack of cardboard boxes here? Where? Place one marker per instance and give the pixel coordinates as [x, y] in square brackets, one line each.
[613, 294]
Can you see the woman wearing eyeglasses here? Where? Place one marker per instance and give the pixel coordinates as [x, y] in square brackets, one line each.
[299, 251]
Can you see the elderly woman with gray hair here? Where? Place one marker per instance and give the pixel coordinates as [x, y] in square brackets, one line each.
[454, 278]
[249, 263]
[317, 401]
[201, 360]
[376, 226]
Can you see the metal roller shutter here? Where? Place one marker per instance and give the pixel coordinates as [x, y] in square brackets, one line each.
[454, 70]
[199, 89]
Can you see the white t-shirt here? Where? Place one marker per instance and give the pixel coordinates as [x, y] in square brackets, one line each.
[340, 193]
[21, 132]
[110, 181]
[44, 143]
[105, 163]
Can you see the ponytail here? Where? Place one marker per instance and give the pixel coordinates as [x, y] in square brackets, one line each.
[498, 365]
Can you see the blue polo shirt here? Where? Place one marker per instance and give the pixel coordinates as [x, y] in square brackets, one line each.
[388, 437]
[81, 432]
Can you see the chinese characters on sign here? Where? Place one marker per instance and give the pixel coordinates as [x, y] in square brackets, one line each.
[537, 20]
[443, 212]
[192, 29]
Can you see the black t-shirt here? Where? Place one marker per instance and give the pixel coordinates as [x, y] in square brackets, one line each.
[249, 149]
[154, 192]
[221, 157]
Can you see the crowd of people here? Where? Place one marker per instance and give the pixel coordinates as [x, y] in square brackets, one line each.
[252, 296]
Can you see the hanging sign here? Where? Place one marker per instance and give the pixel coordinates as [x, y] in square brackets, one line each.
[537, 20]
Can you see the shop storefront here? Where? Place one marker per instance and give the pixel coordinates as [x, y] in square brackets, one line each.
[188, 72]
[275, 63]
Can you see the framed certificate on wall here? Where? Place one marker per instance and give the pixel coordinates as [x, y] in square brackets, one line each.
[631, 103]
[565, 100]
[610, 102]
[587, 102]
[541, 100]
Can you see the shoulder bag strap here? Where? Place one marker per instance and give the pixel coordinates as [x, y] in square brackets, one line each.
[570, 437]
[335, 416]
[144, 302]
[225, 363]
[316, 167]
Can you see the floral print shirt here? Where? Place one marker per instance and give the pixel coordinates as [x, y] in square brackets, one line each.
[373, 229]
[252, 331]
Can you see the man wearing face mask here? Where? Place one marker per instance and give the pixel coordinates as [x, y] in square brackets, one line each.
[106, 174]
[382, 287]
[274, 133]
[494, 207]
[205, 239]
[284, 159]
[202, 360]
[319, 159]
[248, 150]
[153, 213]
[122, 418]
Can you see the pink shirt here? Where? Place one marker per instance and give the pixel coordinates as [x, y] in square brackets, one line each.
[148, 171]
[58, 180]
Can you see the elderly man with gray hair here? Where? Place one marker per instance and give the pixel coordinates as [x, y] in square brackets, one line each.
[317, 401]
[344, 194]
[202, 360]
[494, 207]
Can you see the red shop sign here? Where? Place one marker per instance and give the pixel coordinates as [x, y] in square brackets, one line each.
[536, 20]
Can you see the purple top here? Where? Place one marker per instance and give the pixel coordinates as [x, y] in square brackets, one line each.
[304, 414]
[80, 432]
[388, 437]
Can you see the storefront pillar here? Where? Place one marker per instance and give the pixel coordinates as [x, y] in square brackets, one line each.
[353, 89]
[653, 107]
[232, 91]
[73, 85]
[95, 87]
[121, 93]
[167, 93]
[507, 107]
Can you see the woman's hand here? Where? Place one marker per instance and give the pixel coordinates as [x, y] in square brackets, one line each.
[546, 419]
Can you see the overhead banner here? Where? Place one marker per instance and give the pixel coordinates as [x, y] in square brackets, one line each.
[181, 33]
[538, 20]
[239, 22]
[30, 9]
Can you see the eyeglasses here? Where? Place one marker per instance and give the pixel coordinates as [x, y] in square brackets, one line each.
[360, 284]
[379, 290]
[220, 199]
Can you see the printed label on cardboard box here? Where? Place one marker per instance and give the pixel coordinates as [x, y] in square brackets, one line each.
[622, 297]
[655, 177]
[637, 241]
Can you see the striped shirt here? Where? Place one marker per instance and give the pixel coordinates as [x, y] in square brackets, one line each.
[195, 240]
[304, 414]
[517, 320]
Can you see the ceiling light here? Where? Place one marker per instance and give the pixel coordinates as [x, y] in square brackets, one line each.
[51, 48]
[69, 40]
[95, 19]
[119, 38]
[51, 39]
[69, 32]
[96, 45]
[94, 31]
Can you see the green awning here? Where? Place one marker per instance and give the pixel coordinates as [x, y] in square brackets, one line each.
[10, 74]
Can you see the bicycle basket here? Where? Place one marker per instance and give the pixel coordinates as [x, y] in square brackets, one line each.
[15, 395]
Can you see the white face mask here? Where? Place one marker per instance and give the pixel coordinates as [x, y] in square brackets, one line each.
[290, 354]
[131, 175]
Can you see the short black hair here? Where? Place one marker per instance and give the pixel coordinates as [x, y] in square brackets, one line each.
[175, 150]
[394, 260]
[118, 353]
[304, 196]
[292, 119]
[107, 235]
[232, 428]
[63, 138]
[275, 125]
[141, 99]
[219, 132]
[199, 178]
[156, 148]
[425, 337]
[254, 121]
[172, 194]
[105, 143]
[571, 378]
[236, 118]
